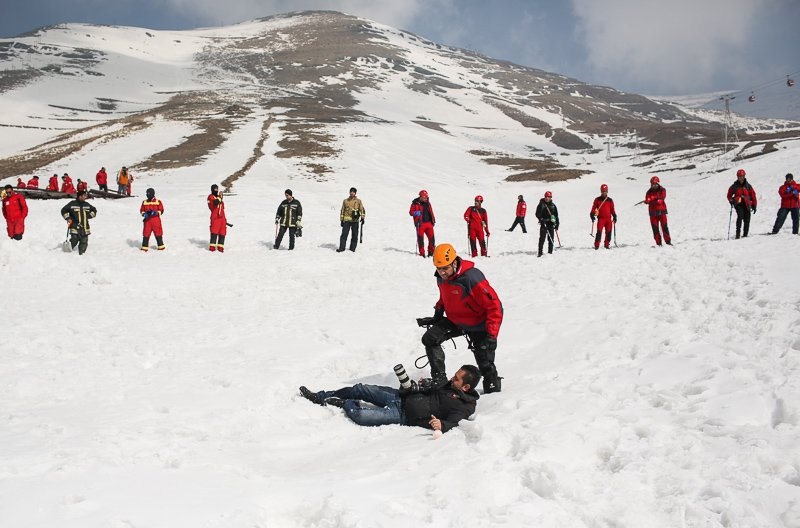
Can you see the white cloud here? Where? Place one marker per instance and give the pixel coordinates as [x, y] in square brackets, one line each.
[677, 45]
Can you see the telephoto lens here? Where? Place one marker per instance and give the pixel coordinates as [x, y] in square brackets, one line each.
[400, 372]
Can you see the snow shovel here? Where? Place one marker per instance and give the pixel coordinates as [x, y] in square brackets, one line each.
[67, 245]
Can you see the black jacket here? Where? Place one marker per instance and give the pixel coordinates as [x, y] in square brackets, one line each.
[544, 215]
[446, 403]
[80, 213]
[289, 213]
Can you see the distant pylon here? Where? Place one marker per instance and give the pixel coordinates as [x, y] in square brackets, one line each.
[637, 153]
[608, 148]
[729, 126]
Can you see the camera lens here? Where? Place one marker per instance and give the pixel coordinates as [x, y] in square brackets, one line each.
[400, 372]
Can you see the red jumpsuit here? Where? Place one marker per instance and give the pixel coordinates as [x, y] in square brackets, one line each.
[477, 222]
[603, 209]
[654, 198]
[422, 213]
[102, 180]
[52, 184]
[14, 211]
[33, 183]
[151, 211]
[219, 224]
[20, 184]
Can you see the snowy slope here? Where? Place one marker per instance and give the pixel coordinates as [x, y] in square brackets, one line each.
[643, 386]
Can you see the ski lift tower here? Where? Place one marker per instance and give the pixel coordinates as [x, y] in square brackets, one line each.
[608, 148]
[637, 153]
[728, 125]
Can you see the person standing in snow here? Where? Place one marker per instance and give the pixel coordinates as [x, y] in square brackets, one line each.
[33, 183]
[151, 211]
[547, 214]
[77, 214]
[350, 216]
[82, 185]
[439, 408]
[790, 204]
[522, 210]
[123, 179]
[467, 305]
[421, 212]
[15, 210]
[102, 179]
[289, 217]
[21, 184]
[742, 197]
[219, 224]
[477, 224]
[654, 198]
[603, 211]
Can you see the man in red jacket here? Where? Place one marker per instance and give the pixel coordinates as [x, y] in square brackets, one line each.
[654, 198]
[522, 210]
[151, 211]
[102, 179]
[66, 184]
[790, 204]
[477, 223]
[33, 183]
[219, 225]
[467, 305]
[421, 212]
[603, 211]
[742, 197]
[14, 211]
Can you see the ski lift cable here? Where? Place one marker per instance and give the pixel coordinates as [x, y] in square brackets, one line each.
[764, 85]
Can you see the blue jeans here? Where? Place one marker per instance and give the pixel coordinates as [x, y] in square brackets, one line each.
[386, 399]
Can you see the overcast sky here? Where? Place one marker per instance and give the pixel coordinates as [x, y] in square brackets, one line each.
[653, 47]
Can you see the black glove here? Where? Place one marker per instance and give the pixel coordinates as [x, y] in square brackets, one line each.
[754, 209]
[615, 219]
[362, 220]
[591, 216]
[342, 223]
[426, 321]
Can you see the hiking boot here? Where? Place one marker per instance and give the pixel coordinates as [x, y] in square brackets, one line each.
[491, 385]
[333, 401]
[340, 250]
[313, 397]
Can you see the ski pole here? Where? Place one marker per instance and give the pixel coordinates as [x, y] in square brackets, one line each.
[615, 234]
[228, 224]
[637, 203]
[591, 234]
[361, 234]
[730, 217]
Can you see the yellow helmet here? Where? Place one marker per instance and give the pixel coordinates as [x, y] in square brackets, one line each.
[443, 255]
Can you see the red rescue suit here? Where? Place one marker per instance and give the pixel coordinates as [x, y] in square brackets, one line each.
[219, 224]
[603, 209]
[52, 184]
[102, 179]
[522, 208]
[654, 198]
[14, 211]
[33, 183]
[477, 222]
[20, 184]
[67, 186]
[788, 193]
[151, 211]
[424, 220]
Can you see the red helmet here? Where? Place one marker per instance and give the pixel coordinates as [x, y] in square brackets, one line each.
[654, 179]
[740, 172]
[423, 193]
[548, 194]
[479, 198]
[604, 188]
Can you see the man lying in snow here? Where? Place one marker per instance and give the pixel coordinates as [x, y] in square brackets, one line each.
[421, 405]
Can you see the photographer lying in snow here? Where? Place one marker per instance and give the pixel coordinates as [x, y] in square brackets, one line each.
[421, 405]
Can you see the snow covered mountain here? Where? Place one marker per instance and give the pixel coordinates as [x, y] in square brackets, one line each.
[643, 386]
[300, 76]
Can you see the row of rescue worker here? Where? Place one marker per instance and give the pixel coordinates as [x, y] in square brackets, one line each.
[288, 218]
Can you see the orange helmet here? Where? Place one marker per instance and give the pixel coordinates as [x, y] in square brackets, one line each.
[423, 193]
[443, 255]
[604, 188]
[740, 172]
[654, 179]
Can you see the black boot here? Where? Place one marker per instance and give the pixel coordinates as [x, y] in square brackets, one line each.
[313, 397]
[491, 384]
